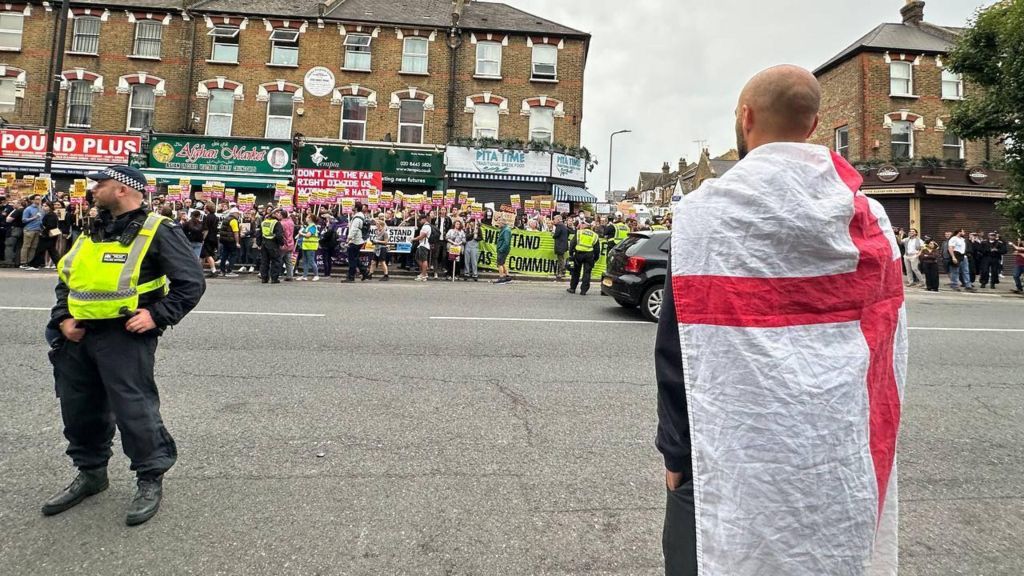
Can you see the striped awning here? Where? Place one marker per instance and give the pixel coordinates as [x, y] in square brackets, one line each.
[486, 176]
[572, 194]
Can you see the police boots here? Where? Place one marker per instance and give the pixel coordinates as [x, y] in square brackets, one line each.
[87, 483]
[146, 501]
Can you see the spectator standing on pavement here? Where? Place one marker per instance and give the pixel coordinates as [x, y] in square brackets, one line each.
[328, 242]
[15, 230]
[583, 249]
[990, 259]
[912, 247]
[381, 255]
[504, 246]
[356, 239]
[48, 235]
[474, 236]
[560, 235]
[230, 243]
[440, 225]
[310, 238]
[929, 258]
[32, 220]
[246, 252]
[1018, 266]
[959, 272]
[288, 247]
[194, 232]
[944, 252]
[211, 224]
[423, 248]
[975, 255]
[456, 241]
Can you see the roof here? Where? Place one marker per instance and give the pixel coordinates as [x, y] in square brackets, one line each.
[720, 167]
[171, 5]
[652, 180]
[413, 13]
[924, 37]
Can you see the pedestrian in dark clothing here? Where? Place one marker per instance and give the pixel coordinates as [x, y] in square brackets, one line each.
[48, 239]
[271, 240]
[561, 237]
[585, 248]
[990, 256]
[929, 258]
[328, 243]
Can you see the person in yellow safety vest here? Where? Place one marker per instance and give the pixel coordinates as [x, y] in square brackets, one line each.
[657, 225]
[584, 248]
[621, 231]
[310, 244]
[271, 240]
[118, 288]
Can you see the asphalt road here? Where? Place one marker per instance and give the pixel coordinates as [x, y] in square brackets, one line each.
[377, 439]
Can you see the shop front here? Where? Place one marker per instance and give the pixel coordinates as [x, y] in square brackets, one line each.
[496, 175]
[247, 166]
[23, 150]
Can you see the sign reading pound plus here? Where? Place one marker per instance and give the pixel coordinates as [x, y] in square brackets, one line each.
[69, 146]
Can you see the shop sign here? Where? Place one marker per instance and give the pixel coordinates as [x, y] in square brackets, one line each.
[888, 173]
[568, 167]
[398, 167]
[501, 162]
[69, 146]
[977, 175]
[221, 155]
[357, 183]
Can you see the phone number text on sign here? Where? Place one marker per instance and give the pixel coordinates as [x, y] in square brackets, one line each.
[357, 183]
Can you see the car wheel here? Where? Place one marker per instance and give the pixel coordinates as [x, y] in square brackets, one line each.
[626, 303]
[650, 305]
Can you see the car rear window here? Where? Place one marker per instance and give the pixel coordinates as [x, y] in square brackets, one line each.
[632, 245]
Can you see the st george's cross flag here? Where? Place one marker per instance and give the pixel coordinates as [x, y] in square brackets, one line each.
[788, 292]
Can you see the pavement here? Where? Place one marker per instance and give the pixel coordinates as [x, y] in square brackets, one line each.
[460, 429]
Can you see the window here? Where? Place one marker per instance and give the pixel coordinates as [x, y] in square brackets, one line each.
[485, 121]
[219, 112]
[225, 44]
[279, 116]
[545, 62]
[488, 59]
[86, 35]
[353, 118]
[843, 141]
[148, 34]
[357, 51]
[141, 104]
[901, 79]
[952, 147]
[79, 104]
[542, 124]
[284, 47]
[410, 122]
[11, 26]
[902, 140]
[952, 86]
[414, 55]
[8, 95]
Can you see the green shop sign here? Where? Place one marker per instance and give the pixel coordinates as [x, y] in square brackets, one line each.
[222, 155]
[399, 167]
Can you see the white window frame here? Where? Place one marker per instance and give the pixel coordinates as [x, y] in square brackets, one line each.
[209, 103]
[341, 133]
[483, 112]
[957, 81]
[910, 137]
[220, 33]
[73, 87]
[20, 31]
[76, 34]
[553, 77]
[843, 151]
[358, 45]
[422, 124]
[13, 104]
[290, 117]
[159, 39]
[909, 79]
[534, 116]
[409, 57]
[131, 106]
[945, 146]
[284, 39]
[480, 59]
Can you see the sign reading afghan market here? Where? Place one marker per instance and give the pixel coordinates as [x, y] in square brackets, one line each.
[398, 167]
[70, 146]
[222, 155]
[495, 161]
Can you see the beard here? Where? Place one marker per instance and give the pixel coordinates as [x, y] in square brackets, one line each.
[741, 142]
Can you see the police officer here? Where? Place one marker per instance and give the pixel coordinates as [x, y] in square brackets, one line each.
[657, 226]
[271, 241]
[584, 248]
[121, 284]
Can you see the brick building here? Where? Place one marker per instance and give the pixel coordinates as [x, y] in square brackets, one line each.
[365, 73]
[886, 100]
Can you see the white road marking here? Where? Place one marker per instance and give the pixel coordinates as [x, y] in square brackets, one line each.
[552, 320]
[211, 312]
[925, 329]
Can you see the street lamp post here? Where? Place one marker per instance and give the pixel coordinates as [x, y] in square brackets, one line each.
[611, 141]
[53, 90]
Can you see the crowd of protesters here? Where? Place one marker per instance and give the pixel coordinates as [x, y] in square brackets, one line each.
[967, 258]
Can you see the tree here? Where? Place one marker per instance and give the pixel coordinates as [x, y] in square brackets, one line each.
[990, 55]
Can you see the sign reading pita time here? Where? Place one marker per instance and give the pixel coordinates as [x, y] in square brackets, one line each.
[357, 183]
[70, 146]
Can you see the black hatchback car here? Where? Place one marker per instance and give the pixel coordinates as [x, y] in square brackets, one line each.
[636, 272]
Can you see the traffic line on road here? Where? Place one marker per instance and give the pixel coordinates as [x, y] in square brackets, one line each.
[927, 329]
[210, 312]
[547, 320]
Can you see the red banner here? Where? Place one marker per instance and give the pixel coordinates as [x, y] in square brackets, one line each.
[69, 146]
[357, 183]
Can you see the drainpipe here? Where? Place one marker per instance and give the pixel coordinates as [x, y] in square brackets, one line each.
[50, 71]
[186, 125]
[454, 42]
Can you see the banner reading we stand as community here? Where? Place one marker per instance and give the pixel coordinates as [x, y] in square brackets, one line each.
[532, 254]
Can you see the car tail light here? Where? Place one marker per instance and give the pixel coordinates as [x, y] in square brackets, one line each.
[635, 264]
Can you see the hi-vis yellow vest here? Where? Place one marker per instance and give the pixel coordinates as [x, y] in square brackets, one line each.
[103, 277]
[658, 228]
[311, 242]
[268, 228]
[621, 232]
[585, 240]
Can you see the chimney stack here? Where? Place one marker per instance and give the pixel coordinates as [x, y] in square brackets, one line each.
[665, 169]
[682, 165]
[913, 12]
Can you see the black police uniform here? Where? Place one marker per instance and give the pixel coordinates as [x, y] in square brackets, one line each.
[107, 377]
[583, 265]
[991, 259]
[270, 253]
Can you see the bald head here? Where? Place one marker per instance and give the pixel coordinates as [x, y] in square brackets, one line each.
[779, 104]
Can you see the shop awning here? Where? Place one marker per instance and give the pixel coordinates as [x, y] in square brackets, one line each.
[488, 176]
[36, 167]
[229, 180]
[572, 194]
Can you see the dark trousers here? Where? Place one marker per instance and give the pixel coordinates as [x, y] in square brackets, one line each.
[47, 246]
[990, 268]
[328, 254]
[972, 268]
[107, 379]
[228, 254]
[931, 275]
[355, 262]
[559, 265]
[679, 535]
[270, 261]
[581, 271]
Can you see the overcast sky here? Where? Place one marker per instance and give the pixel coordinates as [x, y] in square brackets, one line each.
[671, 70]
